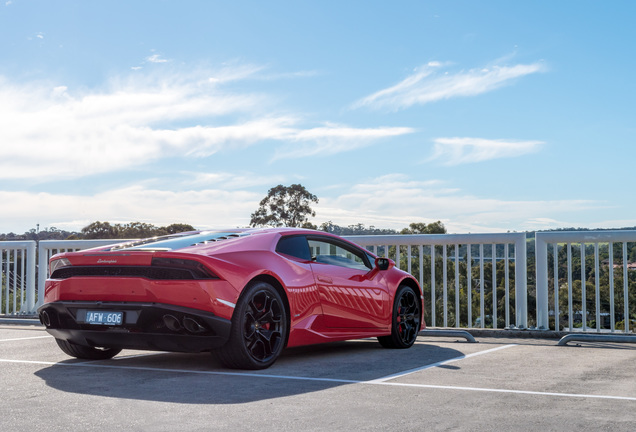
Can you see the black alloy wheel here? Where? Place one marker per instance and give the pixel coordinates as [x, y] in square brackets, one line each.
[406, 319]
[259, 329]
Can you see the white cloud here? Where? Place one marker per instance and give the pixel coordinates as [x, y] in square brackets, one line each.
[395, 201]
[156, 58]
[390, 201]
[57, 133]
[233, 71]
[205, 208]
[229, 181]
[455, 151]
[53, 132]
[427, 84]
[332, 139]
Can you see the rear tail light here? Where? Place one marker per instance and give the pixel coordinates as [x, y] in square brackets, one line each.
[58, 263]
[198, 270]
[160, 269]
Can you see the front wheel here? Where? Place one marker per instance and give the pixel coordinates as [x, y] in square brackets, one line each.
[406, 319]
[86, 352]
[259, 329]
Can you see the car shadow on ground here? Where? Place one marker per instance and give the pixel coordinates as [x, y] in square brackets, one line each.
[199, 379]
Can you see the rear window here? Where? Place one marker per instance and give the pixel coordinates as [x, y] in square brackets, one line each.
[177, 241]
[295, 246]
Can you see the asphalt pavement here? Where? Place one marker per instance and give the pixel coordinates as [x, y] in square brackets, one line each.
[438, 384]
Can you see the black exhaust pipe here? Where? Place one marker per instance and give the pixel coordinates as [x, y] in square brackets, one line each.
[45, 318]
[192, 325]
[172, 323]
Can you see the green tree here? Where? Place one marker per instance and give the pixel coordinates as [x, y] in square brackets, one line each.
[406, 251]
[177, 228]
[138, 230]
[357, 229]
[422, 228]
[131, 230]
[285, 206]
[100, 230]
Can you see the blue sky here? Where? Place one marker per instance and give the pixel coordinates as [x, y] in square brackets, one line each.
[490, 116]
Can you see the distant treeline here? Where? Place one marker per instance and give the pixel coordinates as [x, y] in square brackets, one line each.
[530, 234]
[106, 230]
[101, 230]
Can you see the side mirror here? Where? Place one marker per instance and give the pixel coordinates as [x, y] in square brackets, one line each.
[381, 264]
[384, 263]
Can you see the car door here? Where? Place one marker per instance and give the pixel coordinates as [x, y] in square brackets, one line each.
[349, 298]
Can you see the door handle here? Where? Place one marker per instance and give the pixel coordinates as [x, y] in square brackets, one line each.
[324, 279]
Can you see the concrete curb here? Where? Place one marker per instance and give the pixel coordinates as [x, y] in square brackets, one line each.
[21, 321]
[494, 333]
[519, 333]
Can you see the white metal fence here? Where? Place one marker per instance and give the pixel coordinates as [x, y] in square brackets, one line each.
[468, 257]
[17, 259]
[595, 279]
[468, 280]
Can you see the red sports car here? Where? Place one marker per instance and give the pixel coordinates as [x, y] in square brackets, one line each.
[244, 295]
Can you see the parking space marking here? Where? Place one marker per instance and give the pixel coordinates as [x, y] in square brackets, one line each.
[181, 371]
[140, 355]
[25, 338]
[433, 365]
[524, 392]
[328, 380]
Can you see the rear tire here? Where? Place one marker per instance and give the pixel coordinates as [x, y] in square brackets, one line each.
[407, 317]
[259, 329]
[86, 352]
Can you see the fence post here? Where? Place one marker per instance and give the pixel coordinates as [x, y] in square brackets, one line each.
[521, 282]
[43, 272]
[30, 278]
[541, 257]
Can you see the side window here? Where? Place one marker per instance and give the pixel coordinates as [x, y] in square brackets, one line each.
[334, 253]
[295, 246]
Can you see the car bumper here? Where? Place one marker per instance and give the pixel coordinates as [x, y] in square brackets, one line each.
[145, 326]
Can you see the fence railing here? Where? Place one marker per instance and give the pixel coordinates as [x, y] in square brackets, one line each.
[468, 280]
[595, 279]
[450, 267]
[17, 259]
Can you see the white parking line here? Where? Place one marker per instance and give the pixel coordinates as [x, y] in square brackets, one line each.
[328, 380]
[25, 338]
[181, 371]
[140, 355]
[524, 392]
[433, 365]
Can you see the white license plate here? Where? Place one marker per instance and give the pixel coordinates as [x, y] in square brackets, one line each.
[104, 317]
